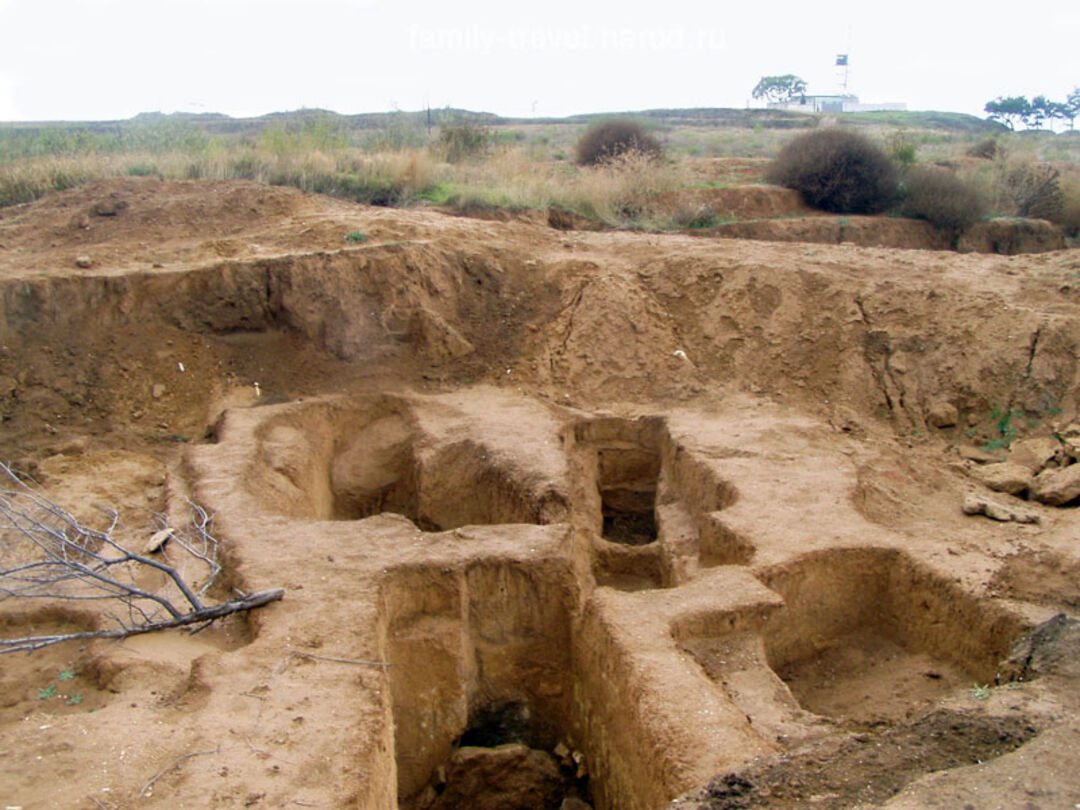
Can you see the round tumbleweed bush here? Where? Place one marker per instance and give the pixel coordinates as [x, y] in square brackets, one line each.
[606, 140]
[941, 198]
[836, 170]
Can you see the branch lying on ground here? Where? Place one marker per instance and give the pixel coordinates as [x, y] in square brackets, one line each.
[47, 553]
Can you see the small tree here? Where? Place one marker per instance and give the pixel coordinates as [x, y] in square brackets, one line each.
[779, 88]
[1009, 110]
[1042, 110]
[1071, 108]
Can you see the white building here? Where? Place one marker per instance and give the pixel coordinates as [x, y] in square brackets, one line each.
[833, 103]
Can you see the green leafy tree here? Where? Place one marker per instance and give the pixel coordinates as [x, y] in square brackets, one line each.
[1009, 110]
[779, 88]
[1070, 110]
[1043, 110]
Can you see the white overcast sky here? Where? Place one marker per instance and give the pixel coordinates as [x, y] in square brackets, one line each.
[110, 59]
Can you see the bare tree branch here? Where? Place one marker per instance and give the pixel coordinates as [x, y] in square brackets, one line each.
[47, 553]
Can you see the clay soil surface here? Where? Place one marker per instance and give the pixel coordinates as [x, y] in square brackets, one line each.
[562, 518]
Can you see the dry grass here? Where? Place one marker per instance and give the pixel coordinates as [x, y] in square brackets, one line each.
[527, 166]
[620, 193]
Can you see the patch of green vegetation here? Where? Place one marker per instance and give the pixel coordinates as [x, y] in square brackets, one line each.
[440, 194]
[1007, 431]
[141, 170]
[356, 237]
[920, 119]
[47, 692]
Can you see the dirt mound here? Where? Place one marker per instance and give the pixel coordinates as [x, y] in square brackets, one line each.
[867, 770]
[856, 230]
[739, 201]
[581, 516]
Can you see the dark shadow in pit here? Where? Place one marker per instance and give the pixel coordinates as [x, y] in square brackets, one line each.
[650, 506]
[627, 478]
[481, 686]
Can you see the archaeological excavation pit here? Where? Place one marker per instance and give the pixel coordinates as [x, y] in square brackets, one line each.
[346, 461]
[481, 686]
[627, 478]
[866, 635]
[650, 505]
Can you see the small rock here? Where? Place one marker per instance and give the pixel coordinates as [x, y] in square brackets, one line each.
[157, 541]
[980, 456]
[509, 775]
[1010, 478]
[574, 804]
[84, 262]
[977, 505]
[1057, 487]
[108, 208]
[8, 387]
[942, 414]
[1034, 453]
[76, 447]
[157, 391]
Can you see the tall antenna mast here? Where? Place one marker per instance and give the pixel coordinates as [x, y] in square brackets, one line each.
[843, 59]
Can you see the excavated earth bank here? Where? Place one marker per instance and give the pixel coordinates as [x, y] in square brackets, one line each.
[563, 519]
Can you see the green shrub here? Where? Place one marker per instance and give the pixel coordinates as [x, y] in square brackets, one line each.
[986, 148]
[245, 167]
[903, 147]
[459, 142]
[695, 218]
[1036, 191]
[941, 198]
[836, 170]
[606, 140]
[141, 170]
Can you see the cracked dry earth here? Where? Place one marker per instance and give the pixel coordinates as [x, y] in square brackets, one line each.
[563, 519]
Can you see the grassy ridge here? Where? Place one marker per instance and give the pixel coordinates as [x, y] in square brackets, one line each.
[403, 158]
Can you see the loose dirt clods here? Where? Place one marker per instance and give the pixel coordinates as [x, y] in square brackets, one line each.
[532, 555]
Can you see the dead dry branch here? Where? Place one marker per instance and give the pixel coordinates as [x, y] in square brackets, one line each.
[48, 554]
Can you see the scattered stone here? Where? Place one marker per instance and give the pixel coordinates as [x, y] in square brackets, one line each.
[980, 456]
[1070, 431]
[8, 387]
[1034, 454]
[1057, 487]
[575, 804]
[108, 208]
[512, 775]
[84, 262]
[157, 541]
[942, 415]
[977, 505]
[157, 391]
[1004, 477]
[76, 447]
